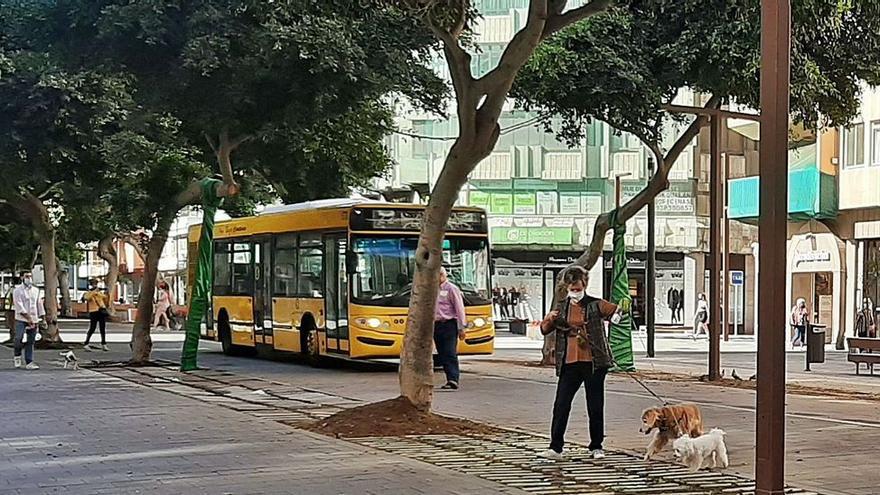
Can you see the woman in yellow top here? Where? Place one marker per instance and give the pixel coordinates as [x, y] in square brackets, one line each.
[97, 302]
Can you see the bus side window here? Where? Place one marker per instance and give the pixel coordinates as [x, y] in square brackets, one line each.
[222, 269]
[285, 266]
[310, 282]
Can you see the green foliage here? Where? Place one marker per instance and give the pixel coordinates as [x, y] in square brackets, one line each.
[621, 66]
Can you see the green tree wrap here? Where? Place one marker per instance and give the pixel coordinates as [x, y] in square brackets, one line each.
[620, 337]
[201, 289]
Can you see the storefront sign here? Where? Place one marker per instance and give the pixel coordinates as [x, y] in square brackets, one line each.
[528, 221]
[531, 235]
[525, 203]
[592, 204]
[812, 257]
[679, 199]
[498, 221]
[501, 203]
[559, 222]
[479, 199]
[569, 203]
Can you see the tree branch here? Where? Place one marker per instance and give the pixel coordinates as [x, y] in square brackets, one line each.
[658, 183]
[518, 51]
[563, 20]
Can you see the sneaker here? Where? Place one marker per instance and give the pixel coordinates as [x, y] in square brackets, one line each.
[597, 454]
[450, 386]
[16, 361]
[105, 347]
[32, 366]
[552, 455]
[90, 347]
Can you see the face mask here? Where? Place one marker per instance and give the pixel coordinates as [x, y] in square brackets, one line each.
[576, 296]
[28, 282]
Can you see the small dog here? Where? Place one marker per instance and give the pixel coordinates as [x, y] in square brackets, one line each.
[70, 360]
[697, 453]
[670, 422]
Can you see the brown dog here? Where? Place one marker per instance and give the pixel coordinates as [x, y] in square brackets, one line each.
[670, 422]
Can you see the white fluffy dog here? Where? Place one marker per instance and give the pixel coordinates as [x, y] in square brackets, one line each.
[697, 453]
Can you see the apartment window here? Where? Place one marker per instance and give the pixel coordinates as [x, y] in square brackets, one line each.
[854, 145]
[875, 142]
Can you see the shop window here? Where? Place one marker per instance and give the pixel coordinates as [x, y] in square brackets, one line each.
[875, 143]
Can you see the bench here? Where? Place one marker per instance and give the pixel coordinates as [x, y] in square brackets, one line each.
[863, 350]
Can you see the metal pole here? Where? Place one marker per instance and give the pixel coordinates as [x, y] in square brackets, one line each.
[617, 191]
[728, 282]
[650, 271]
[772, 233]
[715, 249]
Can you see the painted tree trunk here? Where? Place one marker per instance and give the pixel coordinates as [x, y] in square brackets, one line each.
[50, 267]
[107, 252]
[141, 343]
[64, 288]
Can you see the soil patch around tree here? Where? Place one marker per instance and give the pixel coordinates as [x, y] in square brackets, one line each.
[394, 418]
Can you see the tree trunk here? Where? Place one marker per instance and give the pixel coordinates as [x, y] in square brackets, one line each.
[64, 287]
[107, 252]
[50, 267]
[141, 343]
[416, 357]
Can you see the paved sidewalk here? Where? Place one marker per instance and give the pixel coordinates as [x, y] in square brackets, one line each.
[81, 432]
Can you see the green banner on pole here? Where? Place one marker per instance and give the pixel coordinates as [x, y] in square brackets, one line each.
[620, 337]
[204, 277]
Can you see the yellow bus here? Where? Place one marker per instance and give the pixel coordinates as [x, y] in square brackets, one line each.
[333, 278]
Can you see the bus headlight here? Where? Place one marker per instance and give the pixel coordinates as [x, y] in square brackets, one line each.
[479, 322]
[369, 322]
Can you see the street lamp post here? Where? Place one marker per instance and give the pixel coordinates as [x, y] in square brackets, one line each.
[650, 270]
[715, 248]
[772, 234]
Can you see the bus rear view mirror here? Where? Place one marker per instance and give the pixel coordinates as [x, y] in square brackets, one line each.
[351, 263]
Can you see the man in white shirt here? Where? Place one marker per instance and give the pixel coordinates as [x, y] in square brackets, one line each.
[26, 299]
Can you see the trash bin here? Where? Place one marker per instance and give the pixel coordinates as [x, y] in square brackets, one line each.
[518, 327]
[815, 344]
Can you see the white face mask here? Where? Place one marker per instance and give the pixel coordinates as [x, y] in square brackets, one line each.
[576, 296]
[28, 282]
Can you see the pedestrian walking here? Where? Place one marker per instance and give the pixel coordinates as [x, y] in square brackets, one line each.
[449, 324]
[799, 320]
[583, 357]
[97, 303]
[25, 299]
[701, 317]
[163, 304]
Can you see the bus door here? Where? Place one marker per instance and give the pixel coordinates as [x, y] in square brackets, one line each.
[336, 300]
[263, 290]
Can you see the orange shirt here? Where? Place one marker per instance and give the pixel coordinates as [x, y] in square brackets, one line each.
[579, 348]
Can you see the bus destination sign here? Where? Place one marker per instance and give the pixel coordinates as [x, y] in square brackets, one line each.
[411, 219]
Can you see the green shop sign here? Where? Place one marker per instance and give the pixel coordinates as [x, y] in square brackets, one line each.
[479, 199]
[501, 203]
[532, 235]
[525, 203]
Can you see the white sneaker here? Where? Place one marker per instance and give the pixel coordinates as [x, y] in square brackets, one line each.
[90, 347]
[105, 347]
[552, 455]
[16, 361]
[597, 454]
[33, 366]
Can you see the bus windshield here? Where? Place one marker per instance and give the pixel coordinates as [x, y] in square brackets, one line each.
[386, 264]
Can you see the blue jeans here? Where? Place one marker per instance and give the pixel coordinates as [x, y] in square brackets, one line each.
[20, 329]
[446, 341]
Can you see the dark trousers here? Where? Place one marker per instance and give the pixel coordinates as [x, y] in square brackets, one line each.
[22, 328]
[570, 380]
[96, 318]
[446, 341]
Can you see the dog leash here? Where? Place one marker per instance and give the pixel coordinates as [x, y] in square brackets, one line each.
[644, 386]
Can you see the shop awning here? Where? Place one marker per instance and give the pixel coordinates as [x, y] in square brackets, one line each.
[811, 194]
